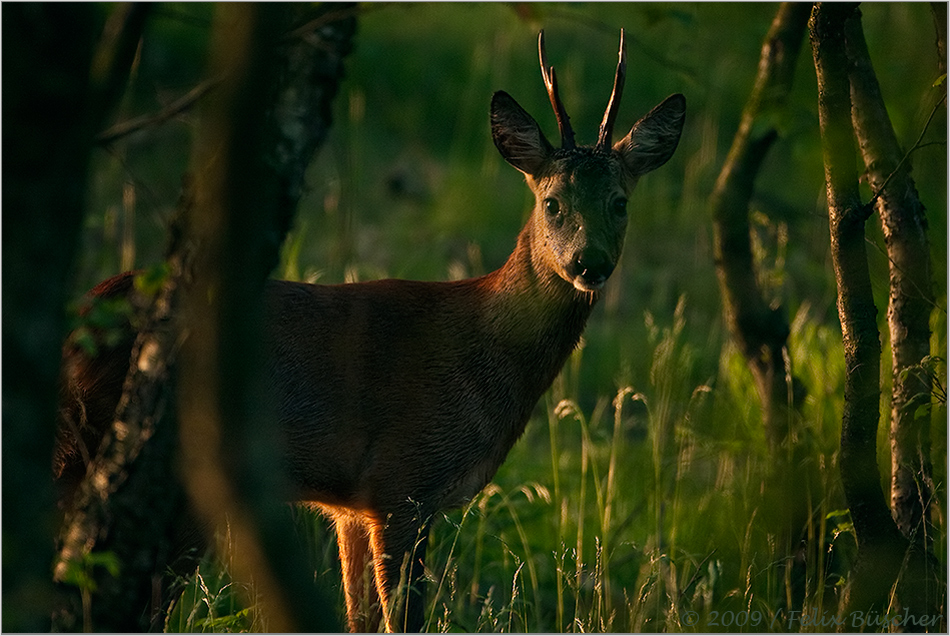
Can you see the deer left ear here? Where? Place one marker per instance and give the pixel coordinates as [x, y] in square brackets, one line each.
[517, 135]
[652, 140]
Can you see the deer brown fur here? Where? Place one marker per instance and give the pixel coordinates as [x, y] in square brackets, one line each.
[397, 399]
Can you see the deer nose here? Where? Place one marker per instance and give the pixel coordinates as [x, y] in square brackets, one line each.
[591, 269]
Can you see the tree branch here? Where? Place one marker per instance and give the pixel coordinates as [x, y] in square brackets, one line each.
[879, 189]
[115, 53]
[760, 331]
[180, 105]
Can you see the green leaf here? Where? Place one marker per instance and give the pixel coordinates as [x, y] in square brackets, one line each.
[79, 570]
[150, 281]
[84, 339]
[844, 512]
[77, 575]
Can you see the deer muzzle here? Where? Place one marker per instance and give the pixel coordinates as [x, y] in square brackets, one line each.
[589, 270]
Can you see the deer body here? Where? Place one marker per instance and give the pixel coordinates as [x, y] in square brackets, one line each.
[383, 447]
[397, 399]
[469, 372]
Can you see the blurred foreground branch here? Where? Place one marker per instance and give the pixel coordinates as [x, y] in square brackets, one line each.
[230, 458]
[259, 130]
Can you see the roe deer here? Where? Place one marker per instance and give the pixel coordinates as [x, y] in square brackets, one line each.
[397, 399]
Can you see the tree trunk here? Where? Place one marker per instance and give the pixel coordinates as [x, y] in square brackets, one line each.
[760, 331]
[910, 303]
[126, 509]
[230, 456]
[881, 547]
[53, 105]
[911, 298]
[758, 328]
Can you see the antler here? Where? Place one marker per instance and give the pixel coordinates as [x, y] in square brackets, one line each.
[607, 126]
[550, 82]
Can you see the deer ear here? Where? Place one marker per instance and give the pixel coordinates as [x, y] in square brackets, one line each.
[517, 136]
[652, 140]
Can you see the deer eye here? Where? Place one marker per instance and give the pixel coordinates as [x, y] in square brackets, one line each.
[619, 207]
[551, 207]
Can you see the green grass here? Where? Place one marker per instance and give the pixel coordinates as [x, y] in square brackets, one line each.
[643, 512]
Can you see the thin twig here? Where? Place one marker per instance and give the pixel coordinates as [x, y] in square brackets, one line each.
[177, 107]
[188, 100]
[906, 156]
[913, 283]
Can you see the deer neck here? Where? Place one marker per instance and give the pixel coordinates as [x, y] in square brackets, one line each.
[534, 313]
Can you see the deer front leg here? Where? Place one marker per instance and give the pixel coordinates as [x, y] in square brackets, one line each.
[359, 585]
[399, 549]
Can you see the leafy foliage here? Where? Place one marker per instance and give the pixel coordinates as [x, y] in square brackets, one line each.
[100, 322]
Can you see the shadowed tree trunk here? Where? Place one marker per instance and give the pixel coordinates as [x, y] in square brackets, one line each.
[281, 65]
[55, 98]
[882, 549]
[119, 530]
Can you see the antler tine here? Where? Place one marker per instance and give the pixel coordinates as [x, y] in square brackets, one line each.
[550, 82]
[613, 106]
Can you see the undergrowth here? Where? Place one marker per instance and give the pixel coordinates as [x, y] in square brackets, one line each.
[650, 510]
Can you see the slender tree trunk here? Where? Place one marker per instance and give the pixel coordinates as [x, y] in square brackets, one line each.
[127, 506]
[760, 330]
[882, 549]
[909, 305]
[911, 299]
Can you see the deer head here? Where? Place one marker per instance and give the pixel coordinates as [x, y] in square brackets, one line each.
[580, 214]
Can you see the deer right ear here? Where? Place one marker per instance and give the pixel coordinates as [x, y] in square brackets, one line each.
[652, 140]
[517, 135]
